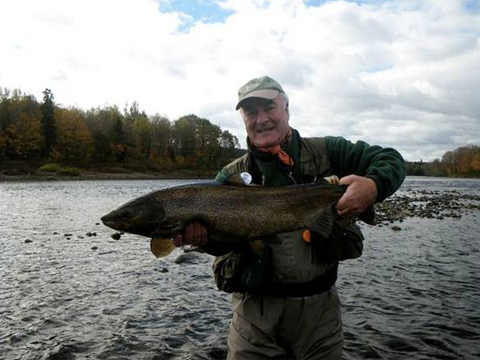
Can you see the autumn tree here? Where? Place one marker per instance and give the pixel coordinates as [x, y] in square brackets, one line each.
[30, 130]
[74, 142]
[20, 137]
[25, 137]
[475, 164]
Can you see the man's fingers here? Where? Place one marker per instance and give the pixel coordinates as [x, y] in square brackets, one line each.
[361, 193]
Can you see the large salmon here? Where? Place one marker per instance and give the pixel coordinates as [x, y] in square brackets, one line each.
[230, 213]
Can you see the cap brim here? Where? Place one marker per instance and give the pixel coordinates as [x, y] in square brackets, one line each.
[268, 94]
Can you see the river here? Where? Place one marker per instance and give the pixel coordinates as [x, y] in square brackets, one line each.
[69, 291]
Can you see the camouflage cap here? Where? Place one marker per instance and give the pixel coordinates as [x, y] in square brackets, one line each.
[263, 87]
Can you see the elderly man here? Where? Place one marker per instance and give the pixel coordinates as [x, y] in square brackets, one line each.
[284, 298]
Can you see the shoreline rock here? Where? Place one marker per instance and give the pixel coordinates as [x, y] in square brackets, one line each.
[425, 204]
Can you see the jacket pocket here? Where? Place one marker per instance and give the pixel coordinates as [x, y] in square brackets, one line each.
[228, 270]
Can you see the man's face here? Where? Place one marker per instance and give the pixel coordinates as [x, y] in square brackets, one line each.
[266, 121]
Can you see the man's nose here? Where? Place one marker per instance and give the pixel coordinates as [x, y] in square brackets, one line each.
[261, 116]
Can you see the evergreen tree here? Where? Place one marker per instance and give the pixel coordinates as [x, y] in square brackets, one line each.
[48, 122]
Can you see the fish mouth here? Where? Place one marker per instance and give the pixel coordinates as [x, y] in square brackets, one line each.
[111, 223]
[108, 220]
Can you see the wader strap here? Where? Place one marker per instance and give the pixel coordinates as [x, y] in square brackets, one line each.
[316, 286]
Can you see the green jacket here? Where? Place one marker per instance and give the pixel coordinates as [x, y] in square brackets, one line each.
[294, 261]
[338, 156]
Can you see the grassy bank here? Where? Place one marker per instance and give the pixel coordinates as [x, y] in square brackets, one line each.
[21, 171]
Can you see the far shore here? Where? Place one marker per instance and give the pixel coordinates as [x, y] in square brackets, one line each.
[93, 175]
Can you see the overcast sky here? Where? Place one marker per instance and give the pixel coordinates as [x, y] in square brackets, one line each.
[400, 73]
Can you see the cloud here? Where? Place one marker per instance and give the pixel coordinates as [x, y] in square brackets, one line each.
[396, 73]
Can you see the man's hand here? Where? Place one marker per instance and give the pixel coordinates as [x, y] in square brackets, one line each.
[361, 193]
[195, 234]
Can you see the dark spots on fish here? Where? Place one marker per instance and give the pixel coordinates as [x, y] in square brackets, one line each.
[116, 236]
[28, 241]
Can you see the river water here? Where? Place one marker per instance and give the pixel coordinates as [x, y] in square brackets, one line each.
[69, 291]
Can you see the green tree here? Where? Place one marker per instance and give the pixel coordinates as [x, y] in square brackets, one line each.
[3, 144]
[161, 131]
[138, 144]
[102, 148]
[6, 116]
[142, 128]
[48, 122]
[119, 146]
[183, 137]
[106, 129]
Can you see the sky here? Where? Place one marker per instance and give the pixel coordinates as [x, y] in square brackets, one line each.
[397, 73]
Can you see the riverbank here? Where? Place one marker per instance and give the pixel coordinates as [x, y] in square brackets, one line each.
[100, 173]
[92, 175]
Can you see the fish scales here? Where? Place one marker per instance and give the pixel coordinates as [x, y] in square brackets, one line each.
[229, 212]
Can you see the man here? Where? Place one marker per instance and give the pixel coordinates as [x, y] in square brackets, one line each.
[285, 300]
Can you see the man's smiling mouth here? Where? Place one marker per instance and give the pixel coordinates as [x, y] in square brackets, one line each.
[260, 131]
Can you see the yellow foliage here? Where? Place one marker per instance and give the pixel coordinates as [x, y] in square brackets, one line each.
[74, 142]
[24, 136]
[475, 164]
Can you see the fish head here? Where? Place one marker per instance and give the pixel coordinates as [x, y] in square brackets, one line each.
[142, 216]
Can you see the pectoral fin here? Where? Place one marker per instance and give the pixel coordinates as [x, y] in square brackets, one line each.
[322, 222]
[161, 247]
